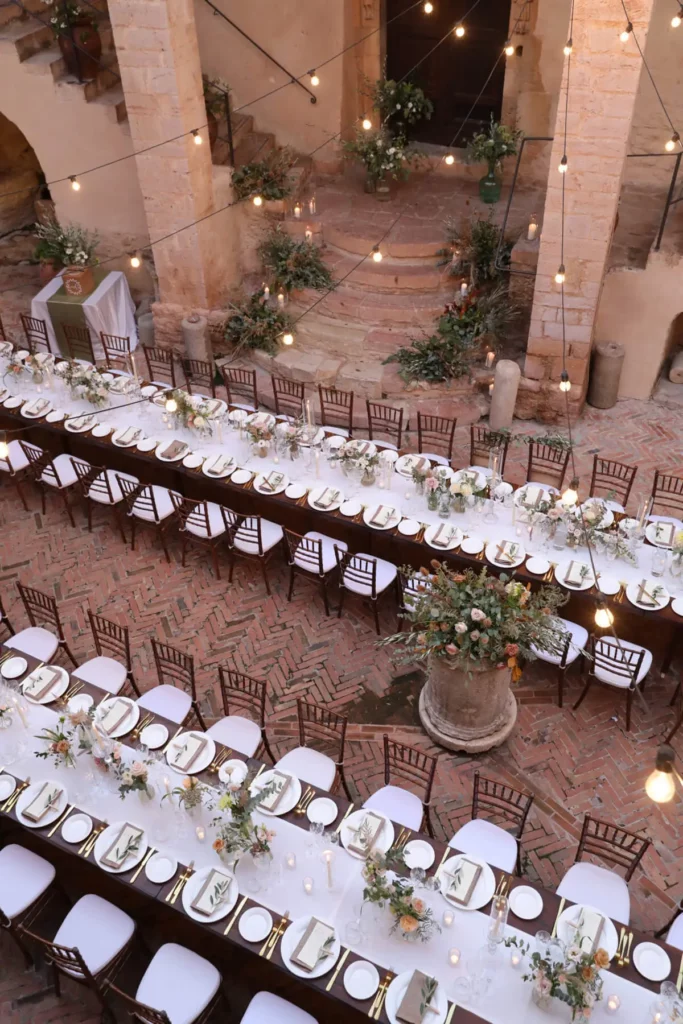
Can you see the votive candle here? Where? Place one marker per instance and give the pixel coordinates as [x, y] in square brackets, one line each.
[448, 918]
[308, 886]
[463, 289]
[200, 833]
[613, 1004]
[297, 211]
[532, 230]
[515, 958]
[308, 234]
[490, 357]
[266, 292]
[454, 957]
[491, 389]
[281, 300]
[290, 860]
[311, 204]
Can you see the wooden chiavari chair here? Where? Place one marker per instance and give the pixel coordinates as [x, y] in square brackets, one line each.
[78, 343]
[35, 332]
[618, 664]
[150, 505]
[312, 556]
[203, 523]
[288, 396]
[38, 641]
[336, 410]
[176, 695]
[511, 806]
[612, 480]
[251, 537]
[4, 621]
[25, 888]
[318, 727]
[160, 366]
[247, 735]
[175, 976]
[117, 353]
[483, 443]
[3, 335]
[112, 668]
[547, 465]
[100, 488]
[386, 421]
[667, 495]
[575, 640]
[199, 377]
[365, 575]
[435, 436]
[240, 383]
[410, 589]
[57, 474]
[409, 764]
[17, 466]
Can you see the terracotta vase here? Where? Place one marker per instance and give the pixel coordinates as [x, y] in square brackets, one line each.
[78, 280]
[472, 710]
[81, 49]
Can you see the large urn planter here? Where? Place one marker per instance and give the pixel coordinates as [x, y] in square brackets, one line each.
[78, 280]
[472, 710]
[81, 49]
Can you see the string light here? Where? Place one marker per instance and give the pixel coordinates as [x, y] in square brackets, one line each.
[376, 254]
[367, 124]
[450, 159]
[509, 49]
[568, 47]
[571, 495]
[197, 137]
[4, 447]
[661, 783]
[565, 383]
[563, 165]
[288, 338]
[673, 141]
[428, 8]
[627, 32]
[560, 275]
[315, 81]
[171, 405]
[460, 30]
[75, 183]
[677, 18]
[603, 617]
[257, 200]
[135, 260]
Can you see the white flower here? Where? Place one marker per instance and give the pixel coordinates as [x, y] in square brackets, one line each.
[398, 106]
[199, 421]
[379, 143]
[460, 627]
[410, 106]
[477, 615]
[391, 150]
[466, 490]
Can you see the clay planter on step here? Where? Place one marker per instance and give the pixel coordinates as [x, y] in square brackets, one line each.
[78, 280]
[471, 711]
[81, 49]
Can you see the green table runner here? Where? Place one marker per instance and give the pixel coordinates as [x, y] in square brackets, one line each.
[68, 309]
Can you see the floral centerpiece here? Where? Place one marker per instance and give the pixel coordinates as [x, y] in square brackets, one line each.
[236, 832]
[349, 458]
[190, 793]
[85, 382]
[574, 980]
[73, 248]
[292, 437]
[491, 148]
[412, 919]
[190, 413]
[59, 745]
[134, 778]
[6, 711]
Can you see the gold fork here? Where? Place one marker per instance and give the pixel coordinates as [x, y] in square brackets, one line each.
[379, 994]
[71, 692]
[142, 724]
[301, 807]
[13, 797]
[218, 760]
[92, 839]
[383, 995]
[183, 882]
[278, 934]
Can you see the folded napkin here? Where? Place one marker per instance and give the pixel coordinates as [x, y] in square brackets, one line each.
[328, 497]
[664, 532]
[644, 595]
[213, 892]
[282, 783]
[81, 421]
[41, 682]
[189, 752]
[466, 476]
[126, 843]
[220, 463]
[116, 714]
[367, 834]
[272, 481]
[416, 462]
[174, 449]
[47, 796]
[532, 497]
[382, 515]
[313, 945]
[416, 999]
[129, 434]
[260, 419]
[589, 929]
[38, 405]
[462, 882]
[506, 552]
[360, 446]
[443, 536]
[212, 406]
[574, 576]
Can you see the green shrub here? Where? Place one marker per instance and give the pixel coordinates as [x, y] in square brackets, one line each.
[472, 251]
[293, 265]
[256, 325]
[268, 178]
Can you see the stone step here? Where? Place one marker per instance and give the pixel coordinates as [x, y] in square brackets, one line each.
[26, 37]
[354, 241]
[46, 62]
[383, 309]
[107, 78]
[392, 275]
[254, 146]
[13, 12]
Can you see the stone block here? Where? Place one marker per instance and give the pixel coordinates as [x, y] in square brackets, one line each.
[363, 378]
[536, 367]
[543, 347]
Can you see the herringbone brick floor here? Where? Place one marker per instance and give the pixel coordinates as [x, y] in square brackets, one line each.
[574, 762]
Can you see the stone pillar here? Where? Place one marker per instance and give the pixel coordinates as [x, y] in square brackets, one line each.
[604, 79]
[158, 57]
[505, 385]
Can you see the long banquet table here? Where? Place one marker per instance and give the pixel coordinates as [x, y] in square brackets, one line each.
[506, 1002]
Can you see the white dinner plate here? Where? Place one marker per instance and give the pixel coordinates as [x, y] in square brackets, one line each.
[237, 416]
[80, 424]
[148, 391]
[289, 942]
[163, 448]
[147, 444]
[392, 521]
[351, 824]
[255, 924]
[123, 385]
[107, 376]
[419, 854]
[334, 441]
[193, 461]
[538, 566]
[526, 903]
[317, 492]
[233, 770]
[29, 795]
[259, 482]
[76, 828]
[607, 513]
[14, 401]
[56, 416]
[296, 490]
[566, 928]
[350, 508]
[289, 799]
[483, 890]
[405, 465]
[154, 735]
[191, 891]
[59, 687]
[651, 961]
[677, 606]
[650, 533]
[365, 447]
[102, 429]
[608, 584]
[397, 990]
[545, 496]
[409, 527]
[129, 722]
[562, 569]
[31, 413]
[81, 702]
[633, 589]
[472, 545]
[517, 559]
[201, 763]
[218, 466]
[455, 536]
[241, 476]
[161, 867]
[388, 454]
[361, 979]
[109, 836]
[322, 810]
[7, 786]
[263, 419]
[13, 668]
[131, 438]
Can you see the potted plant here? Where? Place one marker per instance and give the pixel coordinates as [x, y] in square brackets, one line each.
[77, 36]
[292, 264]
[399, 104]
[491, 148]
[73, 248]
[255, 324]
[268, 178]
[215, 96]
[382, 155]
[472, 629]
[472, 249]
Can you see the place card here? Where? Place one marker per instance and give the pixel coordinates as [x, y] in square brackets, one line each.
[443, 536]
[532, 496]
[189, 752]
[39, 683]
[327, 498]
[576, 574]
[174, 449]
[116, 713]
[463, 881]
[506, 552]
[126, 843]
[664, 533]
[212, 894]
[282, 783]
[367, 834]
[420, 992]
[272, 481]
[644, 596]
[382, 515]
[47, 796]
[589, 927]
[313, 945]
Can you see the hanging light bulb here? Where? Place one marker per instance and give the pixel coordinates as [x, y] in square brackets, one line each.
[627, 32]
[449, 159]
[603, 617]
[75, 183]
[288, 338]
[568, 47]
[661, 783]
[315, 81]
[171, 405]
[4, 447]
[563, 165]
[257, 200]
[460, 30]
[509, 49]
[560, 275]
[135, 260]
[376, 254]
[565, 383]
[428, 7]
[570, 495]
[197, 137]
[677, 18]
[367, 124]
[673, 142]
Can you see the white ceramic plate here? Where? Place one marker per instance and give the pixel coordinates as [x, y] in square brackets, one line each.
[350, 508]
[161, 867]
[191, 891]
[483, 890]
[76, 828]
[419, 854]
[464, 474]
[129, 722]
[107, 376]
[237, 416]
[13, 402]
[317, 492]
[538, 566]
[109, 836]
[296, 491]
[388, 454]
[51, 816]
[203, 761]
[224, 465]
[59, 687]
[397, 990]
[359, 443]
[409, 527]
[290, 941]
[562, 570]
[335, 441]
[30, 412]
[7, 786]
[651, 961]
[154, 736]
[56, 416]
[322, 810]
[566, 927]
[361, 979]
[289, 800]
[677, 606]
[392, 521]
[13, 668]
[102, 429]
[608, 584]
[80, 424]
[255, 924]
[650, 533]
[148, 391]
[241, 476]
[162, 457]
[193, 461]
[264, 420]
[545, 496]
[519, 556]
[259, 485]
[404, 466]
[351, 824]
[455, 537]
[232, 770]
[147, 444]
[526, 903]
[633, 589]
[472, 545]
[81, 702]
[131, 438]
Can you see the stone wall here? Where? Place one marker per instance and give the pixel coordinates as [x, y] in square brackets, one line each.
[19, 170]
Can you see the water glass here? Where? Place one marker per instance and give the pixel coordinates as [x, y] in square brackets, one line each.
[560, 538]
[417, 877]
[658, 564]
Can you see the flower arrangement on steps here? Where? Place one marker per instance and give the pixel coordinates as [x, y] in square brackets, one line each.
[77, 37]
[491, 147]
[216, 93]
[256, 324]
[71, 247]
[471, 251]
[268, 178]
[293, 265]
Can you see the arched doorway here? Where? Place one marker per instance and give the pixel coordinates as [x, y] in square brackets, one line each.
[20, 177]
[456, 72]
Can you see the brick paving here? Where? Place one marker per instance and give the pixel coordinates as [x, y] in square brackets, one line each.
[574, 762]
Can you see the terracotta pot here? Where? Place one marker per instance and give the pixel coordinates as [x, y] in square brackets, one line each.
[81, 49]
[212, 123]
[472, 711]
[48, 270]
[78, 280]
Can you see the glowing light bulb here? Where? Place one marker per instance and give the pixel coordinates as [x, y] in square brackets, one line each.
[288, 338]
[673, 141]
[568, 47]
[565, 383]
[677, 19]
[603, 617]
[560, 275]
[315, 81]
[171, 405]
[570, 495]
[135, 260]
[428, 8]
[367, 124]
[4, 447]
[460, 31]
[660, 786]
[197, 138]
[509, 50]
[563, 165]
[626, 33]
[376, 255]
[450, 160]
[257, 200]
[75, 183]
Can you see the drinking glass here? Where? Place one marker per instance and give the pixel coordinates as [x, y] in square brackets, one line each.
[676, 571]
[560, 538]
[658, 564]
[355, 930]
[417, 877]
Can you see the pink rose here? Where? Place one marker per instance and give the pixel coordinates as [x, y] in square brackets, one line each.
[137, 769]
[477, 615]
[461, 627]
[484, 640]
[487, 623]
[451, 649]
[475, 634]
[512, 650]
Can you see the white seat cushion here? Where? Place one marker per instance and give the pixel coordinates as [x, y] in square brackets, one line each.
[309, 766]
[398, 804]
[484, 470]
[162, 497]
[613, 505]
[196, 523]
[24, 877]
[385, 444]
[599, 887]
[271, 534]
[340, 431]
[675, 936]
[488, 841]
[98, 489]
[64, 465]
[329, 556]
[97, 929]
[179, 982]
[385, 575]
[35, 640]
[16, 457]
[579, 640]
[605, 675]
[243, 405]
[167, 701]
[240, 733]
[441, 460]
[105, 672]
[265, 1008]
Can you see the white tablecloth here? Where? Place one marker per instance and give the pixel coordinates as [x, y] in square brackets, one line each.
[109, 308]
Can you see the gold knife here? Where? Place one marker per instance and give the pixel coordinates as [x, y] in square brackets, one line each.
[340, 964]
[175, 885]
[93, 839]
[278, 934]
[4, 806]
[627, 958]
[557, 919]
[183, 883]
[269, 938]
[339, 826]
[679, 979]
[16, 794]
[380, 1004]
[142, 863]
[62, 818]
[620, 947]
[261, 769]
[81, 848]
[234, 917]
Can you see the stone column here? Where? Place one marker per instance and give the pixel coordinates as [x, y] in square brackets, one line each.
[604, 79]
[158, 56]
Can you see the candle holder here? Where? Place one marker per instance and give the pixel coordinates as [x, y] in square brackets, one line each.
[454, 957]
[308, 885]
[448, 918]
[612, 1005]
[290, 861]
[497, 921]
[516, 959]
[200, 833]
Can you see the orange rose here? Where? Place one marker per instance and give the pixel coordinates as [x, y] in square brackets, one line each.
[418, 905]
[587, 973]
[601, 959]
[187, 783]
[408, 924]
[218, 845]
